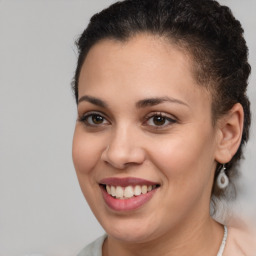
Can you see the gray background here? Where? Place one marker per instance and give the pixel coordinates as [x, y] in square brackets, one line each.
[42, 211]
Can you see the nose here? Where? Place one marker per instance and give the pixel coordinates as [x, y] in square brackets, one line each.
[123, 149]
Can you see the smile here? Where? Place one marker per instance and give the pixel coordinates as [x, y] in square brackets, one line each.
[127, 193]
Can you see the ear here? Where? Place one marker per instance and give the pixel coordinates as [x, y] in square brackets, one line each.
[230, 130]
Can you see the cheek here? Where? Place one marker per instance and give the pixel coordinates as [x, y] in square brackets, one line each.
[186, 167]
[86, 151]
[185, 159]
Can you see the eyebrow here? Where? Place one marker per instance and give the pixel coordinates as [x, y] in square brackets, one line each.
[140, 104]
[93, 100]
[155, 101]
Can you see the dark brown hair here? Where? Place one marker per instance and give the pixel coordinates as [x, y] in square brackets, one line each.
[203, 28]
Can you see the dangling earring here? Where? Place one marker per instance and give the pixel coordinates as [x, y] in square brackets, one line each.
[222, 179]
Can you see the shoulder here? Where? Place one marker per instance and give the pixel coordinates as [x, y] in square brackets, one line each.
[240, 242]
[94, 248]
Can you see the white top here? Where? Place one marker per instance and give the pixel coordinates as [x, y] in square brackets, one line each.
[94, 248]
[236, 243]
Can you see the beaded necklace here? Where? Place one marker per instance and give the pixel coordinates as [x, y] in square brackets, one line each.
[223, 243]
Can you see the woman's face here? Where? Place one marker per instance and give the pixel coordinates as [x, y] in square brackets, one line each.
[144, 145]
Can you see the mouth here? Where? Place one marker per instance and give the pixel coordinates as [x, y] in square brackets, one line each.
[127, 194]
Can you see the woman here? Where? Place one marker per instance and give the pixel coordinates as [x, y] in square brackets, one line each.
[162, 119]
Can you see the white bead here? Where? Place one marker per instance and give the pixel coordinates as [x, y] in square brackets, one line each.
[222, 179]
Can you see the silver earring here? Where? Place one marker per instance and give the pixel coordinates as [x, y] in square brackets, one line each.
[222, 179]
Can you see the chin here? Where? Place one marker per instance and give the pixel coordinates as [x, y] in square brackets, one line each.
[130, 236]
[130, 231]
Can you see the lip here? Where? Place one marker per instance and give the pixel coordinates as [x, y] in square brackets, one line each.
[122, 205]
[130, 204]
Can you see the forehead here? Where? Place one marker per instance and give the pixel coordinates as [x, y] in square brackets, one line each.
[146, 65]
[143, 51]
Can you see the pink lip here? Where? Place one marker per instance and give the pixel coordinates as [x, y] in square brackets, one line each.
[130, 204]
[124, 182]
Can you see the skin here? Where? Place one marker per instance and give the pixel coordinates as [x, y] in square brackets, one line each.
[180, 155]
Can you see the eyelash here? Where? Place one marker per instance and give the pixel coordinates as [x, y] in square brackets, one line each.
[85, 117]
[165, 118]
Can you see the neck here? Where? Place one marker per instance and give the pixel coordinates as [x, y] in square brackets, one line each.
[202, 237]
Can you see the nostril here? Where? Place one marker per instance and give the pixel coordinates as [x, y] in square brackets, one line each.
[122, 157]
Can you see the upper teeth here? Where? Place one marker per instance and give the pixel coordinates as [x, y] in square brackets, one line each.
[129, 191]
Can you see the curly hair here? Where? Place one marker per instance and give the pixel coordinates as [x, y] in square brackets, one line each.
[207, 31]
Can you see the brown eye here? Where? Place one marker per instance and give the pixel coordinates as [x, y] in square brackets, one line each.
[159, 120]
[94, 119]
[97, 119]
